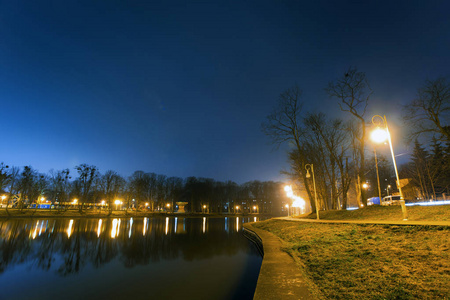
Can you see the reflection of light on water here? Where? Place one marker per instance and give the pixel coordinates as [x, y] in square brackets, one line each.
[237, 224]
[69, 229]
[114, 231]
[176, 224]
[40, 229]
[254, 219]
[35, 230]
[145, 226]
[167, 225]
[226, 224]
[99, 228]
[131, 226]
[204, 224]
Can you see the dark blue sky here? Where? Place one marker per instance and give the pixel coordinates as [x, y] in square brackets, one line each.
[181, 88]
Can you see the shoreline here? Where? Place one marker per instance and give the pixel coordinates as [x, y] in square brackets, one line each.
[16, 214]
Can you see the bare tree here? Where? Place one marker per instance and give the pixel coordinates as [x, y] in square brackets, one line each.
[285, 125]
[87, 176]
[353, 92]
[429, 113]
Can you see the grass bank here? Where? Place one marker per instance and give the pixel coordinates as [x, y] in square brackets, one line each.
[350, 261]
[388, 213]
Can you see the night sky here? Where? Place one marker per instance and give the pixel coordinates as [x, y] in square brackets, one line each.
[181, 88]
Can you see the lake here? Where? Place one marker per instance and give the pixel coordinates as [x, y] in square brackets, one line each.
[136, 258]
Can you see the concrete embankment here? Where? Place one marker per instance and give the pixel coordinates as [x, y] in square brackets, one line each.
[279, 277]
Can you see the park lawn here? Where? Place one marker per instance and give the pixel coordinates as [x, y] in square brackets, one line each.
[388, 213]
[353, 261]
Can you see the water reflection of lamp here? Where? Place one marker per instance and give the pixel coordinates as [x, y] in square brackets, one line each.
[114, 229]
[69, 229]
[131, 226]
[204, 224]
[145, 226]
[167, 225]
[99, 227]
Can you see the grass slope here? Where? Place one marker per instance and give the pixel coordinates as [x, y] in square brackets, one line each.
[388, 213]
[351, 261]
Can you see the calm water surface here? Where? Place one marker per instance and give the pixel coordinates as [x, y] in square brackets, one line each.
[140, 258]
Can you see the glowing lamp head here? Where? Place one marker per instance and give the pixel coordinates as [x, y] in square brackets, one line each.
[117, 202]
[379, 135]
[103, 202]
[287, 205]
[204, 206]
[168, 204]
[365, 185]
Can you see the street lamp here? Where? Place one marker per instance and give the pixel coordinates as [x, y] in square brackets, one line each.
[237, 208]
[117, 202]
[287, 206]
[168, 206]
[254, 209]
[311, 167]
[378, 176]
[379, 135]
[204, 208]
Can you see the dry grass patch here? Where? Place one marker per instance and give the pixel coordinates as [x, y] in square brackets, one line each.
[349, 261]
[388, 213]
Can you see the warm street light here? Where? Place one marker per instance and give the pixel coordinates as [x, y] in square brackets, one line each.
[237, 208]
[378, 136]
[311, 167]
[365, 185]
[287, 206]
[254, 208]
[117, 202]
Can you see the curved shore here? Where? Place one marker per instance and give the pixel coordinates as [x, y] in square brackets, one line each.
[279, 277]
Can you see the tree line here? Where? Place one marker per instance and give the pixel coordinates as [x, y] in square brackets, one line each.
[341, 153]
[22, 187]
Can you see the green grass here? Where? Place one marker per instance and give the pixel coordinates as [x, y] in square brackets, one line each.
[388, 213]
[350, 261]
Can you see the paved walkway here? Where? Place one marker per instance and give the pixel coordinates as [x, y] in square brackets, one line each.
[431, 223]
[279, 277]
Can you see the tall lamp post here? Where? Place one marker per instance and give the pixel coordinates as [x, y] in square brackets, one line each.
[379, 135]
[378, 176]
[311, 167]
